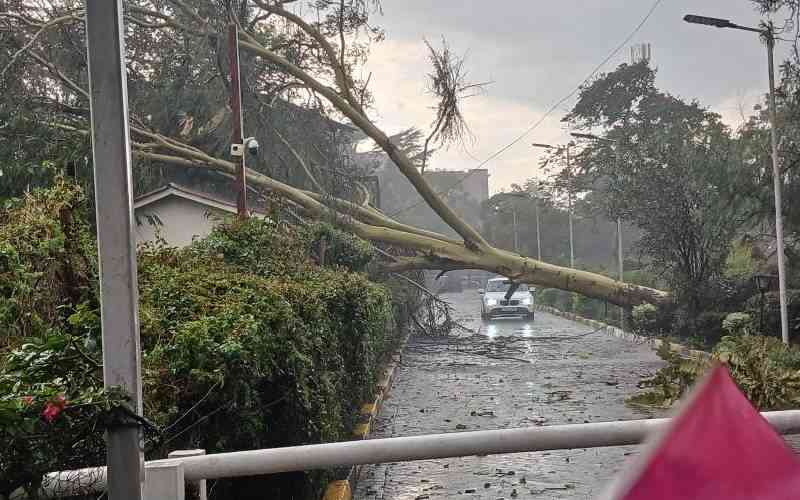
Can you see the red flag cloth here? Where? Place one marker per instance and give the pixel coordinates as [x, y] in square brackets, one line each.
[718, 447]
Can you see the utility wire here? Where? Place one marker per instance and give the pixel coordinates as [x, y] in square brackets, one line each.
[550, 111]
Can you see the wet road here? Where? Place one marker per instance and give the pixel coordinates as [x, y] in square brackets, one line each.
[509, 373]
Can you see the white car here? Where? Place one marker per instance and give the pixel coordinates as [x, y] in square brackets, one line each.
[494, 303]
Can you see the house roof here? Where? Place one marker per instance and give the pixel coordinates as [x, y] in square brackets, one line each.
[172, 189]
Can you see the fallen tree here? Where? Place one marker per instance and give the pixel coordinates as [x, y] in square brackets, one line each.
[205, 23]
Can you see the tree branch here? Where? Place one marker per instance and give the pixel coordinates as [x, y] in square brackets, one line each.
[471, 237]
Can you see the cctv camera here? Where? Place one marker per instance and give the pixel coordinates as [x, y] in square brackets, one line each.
[252, 145]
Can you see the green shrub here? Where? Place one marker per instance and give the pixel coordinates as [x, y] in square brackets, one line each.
[644, 319]
[590, 308]
[765, 369]
[740, 264]
[340, 248]
[46, 261]
[547, 296]
[246, 344]
[772, 310]
[738, 323]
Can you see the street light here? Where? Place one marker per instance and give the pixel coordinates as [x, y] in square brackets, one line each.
[559, 149]
[516, 233]
[769, 37]
[592, 137]
[536, 210]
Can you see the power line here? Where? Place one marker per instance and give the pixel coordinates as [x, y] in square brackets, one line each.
[555, 106]
[576, 89]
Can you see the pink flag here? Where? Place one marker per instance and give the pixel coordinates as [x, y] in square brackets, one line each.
[717, 448]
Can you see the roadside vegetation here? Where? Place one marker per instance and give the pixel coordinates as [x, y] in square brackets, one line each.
[696, 200]
[247, 342]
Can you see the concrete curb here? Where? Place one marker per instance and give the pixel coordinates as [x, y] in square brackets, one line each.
[622, 334]
[343, 489]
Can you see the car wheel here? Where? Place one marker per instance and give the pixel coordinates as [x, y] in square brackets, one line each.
[531, 315]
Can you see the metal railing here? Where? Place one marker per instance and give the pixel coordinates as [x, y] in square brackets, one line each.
[165, 479]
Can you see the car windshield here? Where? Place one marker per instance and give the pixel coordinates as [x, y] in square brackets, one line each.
[503, 286]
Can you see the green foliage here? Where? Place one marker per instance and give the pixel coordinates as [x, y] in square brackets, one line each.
[738, 323]
[672, 147]
[672, 381]
[246, 343]
[590, 308]
[340, 248]
[52, 403]
[739, 264]
[46, 261]
[554, 297]
[765, 369]
[258, 246]
[644, 319]
[772, 310]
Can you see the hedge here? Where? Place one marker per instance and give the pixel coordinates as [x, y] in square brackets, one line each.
[247, 344]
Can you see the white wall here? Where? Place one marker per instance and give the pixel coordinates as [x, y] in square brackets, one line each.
[182, 221]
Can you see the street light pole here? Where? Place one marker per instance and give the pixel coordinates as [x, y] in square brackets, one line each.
[769, 36]
[569, 201]
[571, 232]
[516, 233]
[777, 179]
[538, 238]
[620, 269]
[116, 244]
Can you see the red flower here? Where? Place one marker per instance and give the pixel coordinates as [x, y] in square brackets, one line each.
[53, 408]
[28, 400]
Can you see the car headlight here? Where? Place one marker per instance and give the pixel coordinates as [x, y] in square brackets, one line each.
[491, 302]
[527, 301]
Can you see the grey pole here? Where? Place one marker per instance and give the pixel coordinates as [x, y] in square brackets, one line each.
[569, 202]
[619, 245]
[777, 180]
[516, 232]
[538, 238]
[769, 35]
[116, 245]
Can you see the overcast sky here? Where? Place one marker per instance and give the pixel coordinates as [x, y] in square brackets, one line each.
[534, 52]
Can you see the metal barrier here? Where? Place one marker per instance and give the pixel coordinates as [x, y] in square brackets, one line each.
[164, 479]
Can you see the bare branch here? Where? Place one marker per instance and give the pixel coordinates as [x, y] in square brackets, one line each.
[46, 26]
[448, 84]
[299, 160]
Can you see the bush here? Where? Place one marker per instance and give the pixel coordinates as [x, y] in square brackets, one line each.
[590, 308]
[708, 327]
[740, 264]
[765, 369]
[340, 248]
[772, 311]
[246, 344]
[644, 319]
[738, 324]
[547, 296]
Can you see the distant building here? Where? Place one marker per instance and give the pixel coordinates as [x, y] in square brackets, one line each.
[473, 183]
[463, 190]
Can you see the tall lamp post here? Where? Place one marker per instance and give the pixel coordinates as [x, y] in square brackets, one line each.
[620, 269]
[769, 36]
[536, 210]
[513, 212]
[559, 149]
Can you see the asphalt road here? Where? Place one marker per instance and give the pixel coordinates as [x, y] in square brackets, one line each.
[507, 373]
